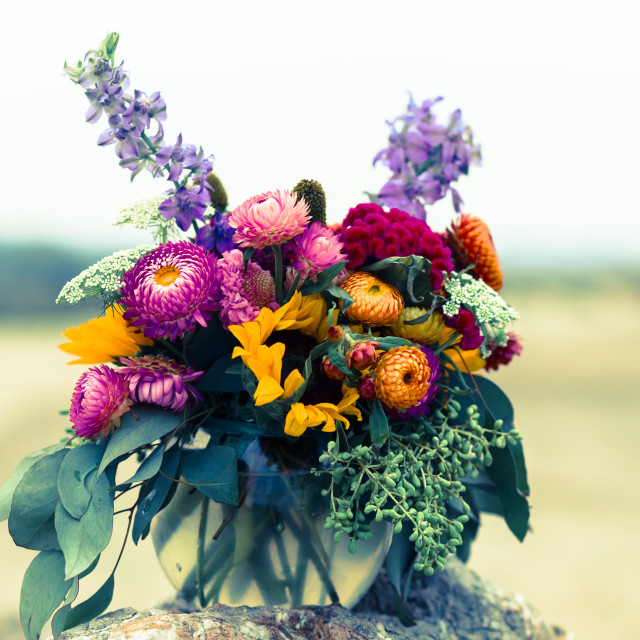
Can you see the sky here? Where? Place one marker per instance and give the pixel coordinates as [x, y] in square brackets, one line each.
[282, 90]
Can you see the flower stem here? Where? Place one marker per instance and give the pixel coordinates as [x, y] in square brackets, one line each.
[277, 254]
[202, 532]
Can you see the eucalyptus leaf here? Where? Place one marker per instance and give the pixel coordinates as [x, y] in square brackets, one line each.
[8, 488]
[44, 588]
[154, 492]
[60, 616]
[409, 274]
[149, 467]
[323, 280]
[346, 299]
[31, 520]
[218, 378]
[214, 472]
[399, 559]
[92, 607]
[152, 423]
[83, 539]
[378, 424]
[75, 467]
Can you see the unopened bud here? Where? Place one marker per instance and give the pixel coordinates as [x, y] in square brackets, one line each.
[335, 334]
[331, 371]
[366, 388]
[363, 355]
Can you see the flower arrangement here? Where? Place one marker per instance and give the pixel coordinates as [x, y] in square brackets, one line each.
[355, 351]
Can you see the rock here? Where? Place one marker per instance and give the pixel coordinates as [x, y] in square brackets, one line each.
[454, 605]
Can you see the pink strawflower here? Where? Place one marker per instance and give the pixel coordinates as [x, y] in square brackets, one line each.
[100, 398]
[268, 219]
[315, 249]
[242, 291]
[170, 290]
[160, 381]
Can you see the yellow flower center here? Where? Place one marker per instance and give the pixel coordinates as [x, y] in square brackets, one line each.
[166, 275]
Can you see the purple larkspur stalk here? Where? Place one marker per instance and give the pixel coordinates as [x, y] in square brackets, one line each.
[217, 234]
[99, 400]
[126, 136]
[170, 290]
[178, 157]
[186, 204]
[160, 381]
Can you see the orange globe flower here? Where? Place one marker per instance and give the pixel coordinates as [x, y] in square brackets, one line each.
[402, 377]
[375, 302]
[471, 243]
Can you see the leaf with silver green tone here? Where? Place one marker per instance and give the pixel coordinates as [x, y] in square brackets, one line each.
[151, 424]
[31, 521]
[218, 378]
[378, 424]
[43, 589]
[147, 469]
[83, 539]
[78, 463]
[214, 472]
[60, 616]
[92, 607]
[409, 274]
[8, 488]
[323, 280]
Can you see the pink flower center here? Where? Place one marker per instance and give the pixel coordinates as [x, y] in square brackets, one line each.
[258, 286]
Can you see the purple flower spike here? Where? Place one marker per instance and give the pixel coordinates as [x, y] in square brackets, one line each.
[186, 204]
[217, 234]
[143, 109]
[124, 134]
[178, 157]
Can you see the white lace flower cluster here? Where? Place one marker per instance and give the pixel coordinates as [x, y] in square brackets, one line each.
[146, 215]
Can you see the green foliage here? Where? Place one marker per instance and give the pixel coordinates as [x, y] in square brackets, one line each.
[214, 472]
[410, 275]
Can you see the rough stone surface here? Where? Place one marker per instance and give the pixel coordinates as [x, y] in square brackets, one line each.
[454, 605]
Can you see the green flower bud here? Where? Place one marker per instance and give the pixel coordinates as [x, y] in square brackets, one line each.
[314, 196]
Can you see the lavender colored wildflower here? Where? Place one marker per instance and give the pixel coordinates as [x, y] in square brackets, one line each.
[178, 157]
[186, 204]
[425, 158]
[217, 234]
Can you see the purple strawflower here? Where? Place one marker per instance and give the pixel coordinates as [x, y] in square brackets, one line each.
[178, 158]
[170, 290]
[160, 381]
[217, 234]
[100, 398]
[425, 158]
[186, 204]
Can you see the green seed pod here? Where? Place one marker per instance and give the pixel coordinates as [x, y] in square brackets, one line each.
[314, 196]
[219, 198]
[353, 546]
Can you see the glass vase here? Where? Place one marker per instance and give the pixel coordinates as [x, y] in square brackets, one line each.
[273, 549]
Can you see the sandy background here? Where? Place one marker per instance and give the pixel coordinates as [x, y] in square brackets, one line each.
[574, 392]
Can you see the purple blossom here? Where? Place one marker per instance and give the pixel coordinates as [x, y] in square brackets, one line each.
[124, 134]
[142, 109]
[217, 234]
[178, 157]
[186, 204]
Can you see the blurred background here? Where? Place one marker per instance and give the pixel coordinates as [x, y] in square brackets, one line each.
[280, 91]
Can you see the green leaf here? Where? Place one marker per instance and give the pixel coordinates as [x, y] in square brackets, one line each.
[217, 377]
[149, 467]
[43, 589]
[60, 616]
[92, 607]
[83, 539]
[8, 488]
[214, 472]
[378, 424]
[399, 559]
[154, 492]
[153, 423]
[241, 428]
[339, 293]
[71, 478]
[409, 274]
[31, 520]
[322, 280]
[389, 342]
[205, 345]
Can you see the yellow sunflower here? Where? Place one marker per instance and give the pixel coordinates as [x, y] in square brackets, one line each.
[104, 339]
[302, 416]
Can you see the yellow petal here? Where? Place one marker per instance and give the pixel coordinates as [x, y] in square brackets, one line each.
[292, 383]
[267, 391]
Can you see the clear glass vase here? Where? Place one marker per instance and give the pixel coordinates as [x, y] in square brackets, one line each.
[273, 549]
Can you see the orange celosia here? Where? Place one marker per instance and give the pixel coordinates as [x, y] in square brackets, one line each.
[104, 339]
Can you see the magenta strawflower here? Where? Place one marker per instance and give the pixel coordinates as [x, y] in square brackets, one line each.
[241, 291]
[314, 250]
[268, 219]
[170, 290]
[100, 398]
[502, 355]
[160, 381]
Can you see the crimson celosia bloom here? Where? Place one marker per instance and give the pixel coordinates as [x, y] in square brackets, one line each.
[370, 234]
[241, 291]
[170, 290]
[100, 398]
[268, 219]
[503, 355]
[160, 381]
[464, 322]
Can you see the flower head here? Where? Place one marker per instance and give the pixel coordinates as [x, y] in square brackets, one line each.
[427, 332]
[100, 398]
[315, 249]
[402, 377]
[370, 234]
[268, 219]
[185, 205]
[375, 301]
[216, 234]
[170, 290]
[242, 291]
[503, 354]
[160, 381]
[104, 339]
[464, 323]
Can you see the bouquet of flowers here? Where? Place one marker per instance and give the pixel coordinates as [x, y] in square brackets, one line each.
[257, 360]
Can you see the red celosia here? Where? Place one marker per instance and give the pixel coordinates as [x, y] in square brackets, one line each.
[504, 355]
[464, 322]
[370, 233]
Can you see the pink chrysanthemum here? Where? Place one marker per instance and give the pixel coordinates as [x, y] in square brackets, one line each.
[370, 234]
[422, 407]
[100, 398]
[315, 249]
[242, 291]
[170, 290]
[160, 381]
[269, 218]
